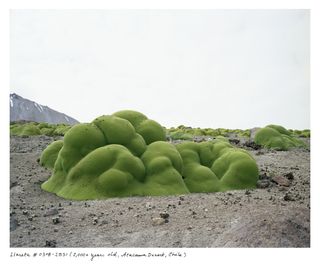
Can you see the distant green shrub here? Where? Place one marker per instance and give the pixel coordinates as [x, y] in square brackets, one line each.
[33, 129]
[61, 130]
[30, 130]
[301, 133]
[180, 135]
[277, 137]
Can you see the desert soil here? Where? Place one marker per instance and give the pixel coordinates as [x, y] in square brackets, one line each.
[276, 214]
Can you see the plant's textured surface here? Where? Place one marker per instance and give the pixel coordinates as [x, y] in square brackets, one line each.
[277, 137]
[125, 154]
[217, 166]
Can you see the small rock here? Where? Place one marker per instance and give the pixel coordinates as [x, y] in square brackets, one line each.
[288, 197]
[70, 232]
[280, 180]
[164, 215]
[251, 144]
[262, 184]
[25, 212]
[234, 141]
[158, 221]
[289, 176]
[149, 206]
[260, 152]
[56, 220]
[52, 211]
[51, 243]
[189, 227]
[95, 220]
[55, 230]
[283, 188]
[104, 222]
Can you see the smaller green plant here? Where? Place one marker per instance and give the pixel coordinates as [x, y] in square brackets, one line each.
[34, 129]
[277, 137]
[180, 135]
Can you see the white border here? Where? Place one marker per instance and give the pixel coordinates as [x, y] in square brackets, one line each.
[194, 255]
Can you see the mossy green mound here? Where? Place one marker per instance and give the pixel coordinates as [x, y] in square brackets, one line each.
[301, 133]
[277, 137]
[184, 133]
[30, 130]
[26, 129]
[50, 154]
[34, 129]
[180, 135]
[124, 154]
[217, 166]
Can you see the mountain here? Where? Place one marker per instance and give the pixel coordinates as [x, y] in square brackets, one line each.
[24, 109]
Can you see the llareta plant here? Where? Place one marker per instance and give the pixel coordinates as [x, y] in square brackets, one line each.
[277, 137]
[125, 154]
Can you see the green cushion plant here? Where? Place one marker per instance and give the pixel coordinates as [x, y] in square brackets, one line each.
[125, 154]
[277, 137]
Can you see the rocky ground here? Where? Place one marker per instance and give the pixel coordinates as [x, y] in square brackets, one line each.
[276, 214]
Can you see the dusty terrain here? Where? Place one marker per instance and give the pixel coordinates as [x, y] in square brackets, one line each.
[276, 214]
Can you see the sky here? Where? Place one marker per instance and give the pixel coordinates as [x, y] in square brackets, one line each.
[199, 68]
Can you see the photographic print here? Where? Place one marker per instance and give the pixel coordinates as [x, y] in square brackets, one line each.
[159, 128]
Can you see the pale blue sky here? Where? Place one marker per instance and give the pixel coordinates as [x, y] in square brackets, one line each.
[201, 68]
